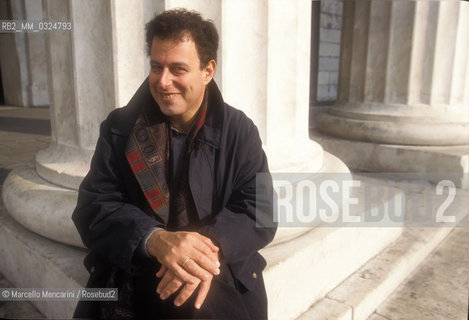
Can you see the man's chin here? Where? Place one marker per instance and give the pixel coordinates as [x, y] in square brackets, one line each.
[168, 111]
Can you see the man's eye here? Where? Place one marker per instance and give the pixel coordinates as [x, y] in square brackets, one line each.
[178, 70]
[156, 68]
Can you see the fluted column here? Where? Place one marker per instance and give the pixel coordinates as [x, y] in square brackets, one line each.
[265, 55]
[91, 70]
[404, 74]
[22, 58]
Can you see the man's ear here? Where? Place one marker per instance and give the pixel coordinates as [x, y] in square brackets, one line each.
[209, 71]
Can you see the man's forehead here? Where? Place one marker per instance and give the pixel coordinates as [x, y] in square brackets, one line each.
[178, 50]
[170, 43]
[182, 37]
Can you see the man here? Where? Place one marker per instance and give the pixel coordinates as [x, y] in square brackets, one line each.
[170, 208]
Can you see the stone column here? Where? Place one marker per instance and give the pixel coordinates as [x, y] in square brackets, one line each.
[92, 70]
[403, 87]
[265, 72]
[265, 54]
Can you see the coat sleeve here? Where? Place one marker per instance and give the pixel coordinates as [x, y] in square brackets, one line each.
[108, 223]
[245, 224]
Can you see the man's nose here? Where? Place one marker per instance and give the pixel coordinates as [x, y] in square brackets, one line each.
[165, 78]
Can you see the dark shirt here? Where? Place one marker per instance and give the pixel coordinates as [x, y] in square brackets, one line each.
[178, 143]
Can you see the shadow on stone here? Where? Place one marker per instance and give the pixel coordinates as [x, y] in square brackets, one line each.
[31, 126]
[3, 174]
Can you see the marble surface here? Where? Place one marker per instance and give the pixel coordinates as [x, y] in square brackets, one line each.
[17, 309]
[438, 289]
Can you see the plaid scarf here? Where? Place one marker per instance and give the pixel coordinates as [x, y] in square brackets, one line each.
[148, 153]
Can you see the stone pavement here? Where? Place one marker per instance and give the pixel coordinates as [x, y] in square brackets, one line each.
[438, 289]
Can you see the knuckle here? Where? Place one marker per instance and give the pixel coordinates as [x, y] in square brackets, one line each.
[186, 291]
[199, 256]
[206, 250]
[182, 275]
[173, 251]
[193, 285]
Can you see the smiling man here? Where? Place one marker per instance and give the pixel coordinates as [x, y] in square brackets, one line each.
[177, 79]
[169, 209]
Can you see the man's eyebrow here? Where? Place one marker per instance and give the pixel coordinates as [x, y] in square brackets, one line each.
[179, 64]
[174, 64]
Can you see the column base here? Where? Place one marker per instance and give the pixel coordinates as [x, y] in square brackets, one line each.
[437, 161]
[40, 206]
[331, 164]
[295, 156]
[392, 129]
[63, 165]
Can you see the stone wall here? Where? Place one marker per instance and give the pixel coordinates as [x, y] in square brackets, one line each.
[329, 49]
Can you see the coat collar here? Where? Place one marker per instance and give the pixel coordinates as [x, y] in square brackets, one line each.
[124, 120]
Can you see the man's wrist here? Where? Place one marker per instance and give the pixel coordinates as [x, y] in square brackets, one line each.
[146, 241]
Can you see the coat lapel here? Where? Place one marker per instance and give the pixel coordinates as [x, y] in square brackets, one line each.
[201, 179]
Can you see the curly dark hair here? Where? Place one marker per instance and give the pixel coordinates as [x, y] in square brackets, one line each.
[177, 24]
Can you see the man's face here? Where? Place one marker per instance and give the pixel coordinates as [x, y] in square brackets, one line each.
[177, 82]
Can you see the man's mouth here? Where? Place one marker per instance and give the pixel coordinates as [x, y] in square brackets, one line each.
[167, 95]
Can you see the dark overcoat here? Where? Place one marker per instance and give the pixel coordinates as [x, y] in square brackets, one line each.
[113, 216]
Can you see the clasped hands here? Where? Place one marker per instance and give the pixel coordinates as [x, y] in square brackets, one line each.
[188, 260]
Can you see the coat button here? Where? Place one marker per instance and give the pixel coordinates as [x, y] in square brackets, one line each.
[92, 269]
[254, 275]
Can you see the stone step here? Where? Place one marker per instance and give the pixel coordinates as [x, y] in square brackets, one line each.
[303, 270]
[32, 261]
[438, 288]
[360, 294]
[16, 309]
[357, 297]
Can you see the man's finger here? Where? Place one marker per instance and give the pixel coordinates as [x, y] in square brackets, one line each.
[208, 262]
[161, 272]
[202, 294]
[185, 293]
[170, 288]
[200, 272]
[209, 243]
[213, 261]
[185, 276]
[167, 278]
